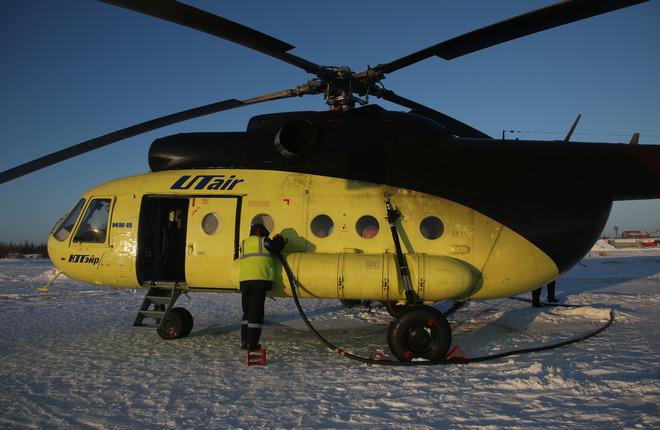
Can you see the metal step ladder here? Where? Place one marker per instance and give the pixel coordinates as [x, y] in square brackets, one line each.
[158, 302]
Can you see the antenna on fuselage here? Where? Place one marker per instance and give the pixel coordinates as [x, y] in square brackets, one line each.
[570, 132]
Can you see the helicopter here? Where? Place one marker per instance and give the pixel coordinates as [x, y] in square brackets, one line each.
[470, 217]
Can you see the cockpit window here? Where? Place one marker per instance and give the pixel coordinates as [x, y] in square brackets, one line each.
[94, 225]
[64, 230]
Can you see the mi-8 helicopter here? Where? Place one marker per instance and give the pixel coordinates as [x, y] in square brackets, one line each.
[476, 218]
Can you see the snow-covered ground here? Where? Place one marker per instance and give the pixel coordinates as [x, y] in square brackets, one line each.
[70, 359]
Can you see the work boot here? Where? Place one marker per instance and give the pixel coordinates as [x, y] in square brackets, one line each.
[252, 337]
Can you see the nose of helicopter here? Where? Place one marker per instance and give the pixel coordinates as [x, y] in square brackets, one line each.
[56, 252]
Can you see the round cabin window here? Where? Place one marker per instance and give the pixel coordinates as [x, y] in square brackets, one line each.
[322, 226]
[264, 219]
[367, 226]
[210, 223]
[431, 227]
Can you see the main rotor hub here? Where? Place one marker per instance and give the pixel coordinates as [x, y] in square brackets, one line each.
[339, 89]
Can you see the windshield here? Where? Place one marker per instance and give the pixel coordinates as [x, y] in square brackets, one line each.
[94, 225]
[64, 230]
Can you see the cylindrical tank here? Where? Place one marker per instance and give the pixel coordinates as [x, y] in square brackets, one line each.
[376, 276]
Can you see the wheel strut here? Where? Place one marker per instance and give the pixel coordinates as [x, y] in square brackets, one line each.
[393, 215]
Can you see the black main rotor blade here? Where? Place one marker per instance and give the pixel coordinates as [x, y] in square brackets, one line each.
[453, 125]
[134, 130]
[510, 29]
[198, 19]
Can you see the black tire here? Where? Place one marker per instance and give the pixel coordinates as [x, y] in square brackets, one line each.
[177, 324]
[394, 308]
[419, 331]
[188, 321]
[348, 304]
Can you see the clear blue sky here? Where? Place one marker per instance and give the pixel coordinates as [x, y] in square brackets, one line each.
[74, 70]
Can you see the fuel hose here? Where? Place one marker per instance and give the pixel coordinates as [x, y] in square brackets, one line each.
[454, 360]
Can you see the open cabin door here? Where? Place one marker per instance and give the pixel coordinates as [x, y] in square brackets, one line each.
[162, 239]
[212, 240]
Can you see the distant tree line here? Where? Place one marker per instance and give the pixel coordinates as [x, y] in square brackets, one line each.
[22, 248]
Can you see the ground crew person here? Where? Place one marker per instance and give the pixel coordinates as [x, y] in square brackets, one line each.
[536, 295]
[257, 273]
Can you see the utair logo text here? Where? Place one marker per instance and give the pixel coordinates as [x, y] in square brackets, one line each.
[206, 182]
[84, 259]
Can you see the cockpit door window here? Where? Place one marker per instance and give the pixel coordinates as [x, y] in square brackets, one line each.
[94, 226]
[64, 230]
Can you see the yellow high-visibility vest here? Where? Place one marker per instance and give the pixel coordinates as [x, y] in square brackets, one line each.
[256, 263]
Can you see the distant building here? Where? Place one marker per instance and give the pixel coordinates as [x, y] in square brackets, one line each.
[634, 234]
[14, 255]
[634, 243]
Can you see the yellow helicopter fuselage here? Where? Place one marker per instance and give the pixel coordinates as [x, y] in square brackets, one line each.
[186, 226]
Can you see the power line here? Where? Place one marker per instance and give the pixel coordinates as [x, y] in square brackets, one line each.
[581, 133]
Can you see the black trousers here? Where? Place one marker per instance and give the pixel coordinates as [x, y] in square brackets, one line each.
[536, 295]
[551, 291]
[253, 297]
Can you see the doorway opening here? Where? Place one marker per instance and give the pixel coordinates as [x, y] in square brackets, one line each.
[161, 253]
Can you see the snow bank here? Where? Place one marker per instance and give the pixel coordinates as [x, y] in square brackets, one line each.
[602, 245]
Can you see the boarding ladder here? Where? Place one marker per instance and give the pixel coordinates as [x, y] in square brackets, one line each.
[158, 302]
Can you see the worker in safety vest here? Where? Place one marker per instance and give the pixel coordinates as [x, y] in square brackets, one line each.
[257, 273]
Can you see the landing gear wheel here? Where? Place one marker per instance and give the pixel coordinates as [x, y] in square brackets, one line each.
[177, 324]
[187, 320]
[419, 331]
[393, 307]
